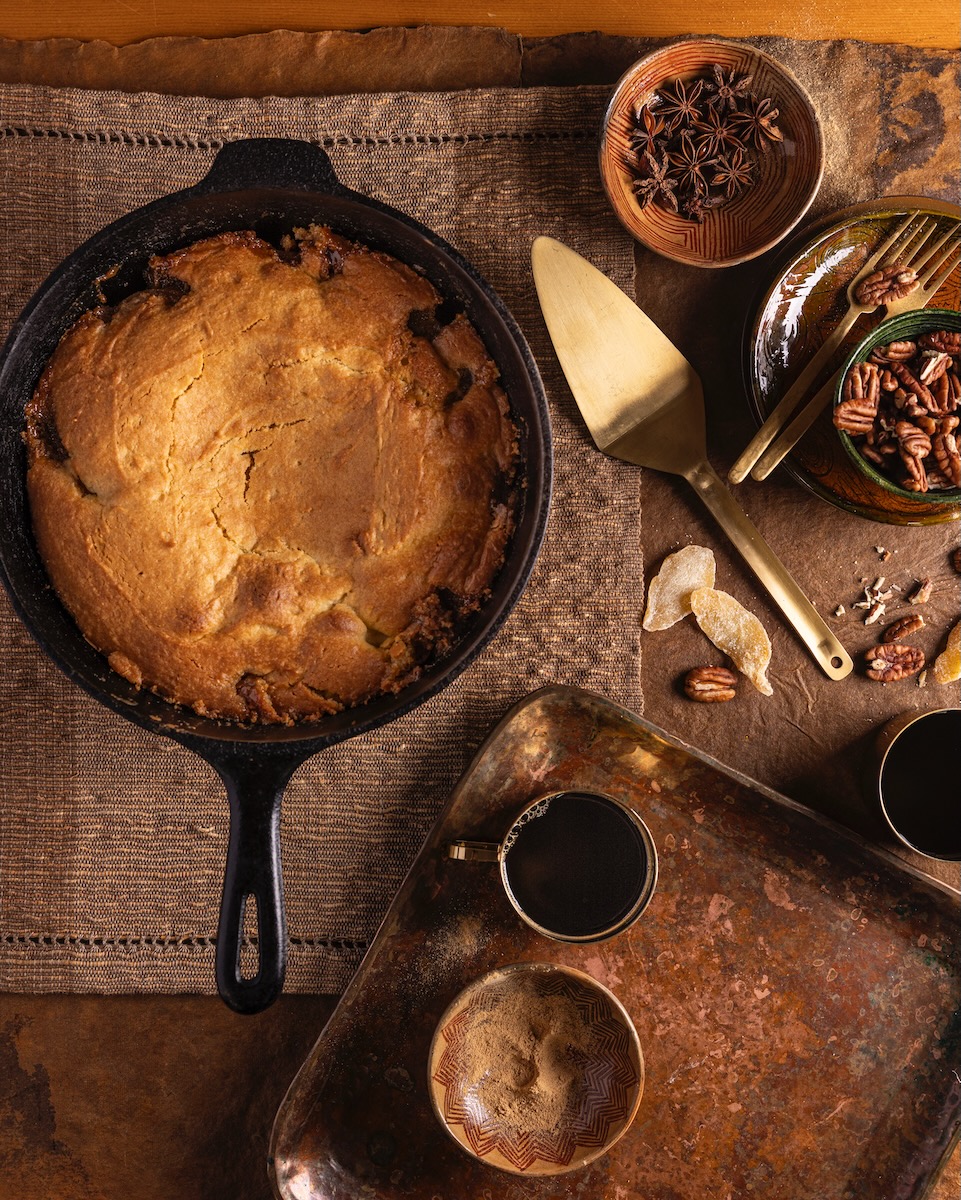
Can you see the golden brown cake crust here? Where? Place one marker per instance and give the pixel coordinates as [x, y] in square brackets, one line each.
[258, 491]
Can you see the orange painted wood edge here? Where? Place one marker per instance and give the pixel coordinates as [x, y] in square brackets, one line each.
[929, 23]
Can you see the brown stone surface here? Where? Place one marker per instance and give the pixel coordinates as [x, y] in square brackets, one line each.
[146, 1097]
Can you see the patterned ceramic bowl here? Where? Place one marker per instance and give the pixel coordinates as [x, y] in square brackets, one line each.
[886, 467]
[536, 1069]
[746, 141]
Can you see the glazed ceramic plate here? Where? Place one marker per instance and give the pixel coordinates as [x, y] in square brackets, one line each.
[803, 304]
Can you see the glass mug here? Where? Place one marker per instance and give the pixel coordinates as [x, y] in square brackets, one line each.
[577, 866]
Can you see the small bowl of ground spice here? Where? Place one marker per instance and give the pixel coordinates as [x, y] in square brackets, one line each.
[536, 1069]
[711, 152]
[897, 406]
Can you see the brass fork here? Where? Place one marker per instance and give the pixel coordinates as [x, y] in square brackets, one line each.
[903, 241]
[939, 267]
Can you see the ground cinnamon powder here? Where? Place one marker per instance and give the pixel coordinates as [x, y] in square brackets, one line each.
[527, 1054]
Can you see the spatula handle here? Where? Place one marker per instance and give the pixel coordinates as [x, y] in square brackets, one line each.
[828, 652]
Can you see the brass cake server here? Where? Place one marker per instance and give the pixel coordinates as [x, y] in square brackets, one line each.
[643, 403]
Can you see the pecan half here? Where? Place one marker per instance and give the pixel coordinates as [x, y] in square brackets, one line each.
[954, 392]
[945, 449]
[903, 628]
[948, 340]
[859, 406]
[914, 441]
[710, 685]
[893, 352]
[891, 283]
[914, 446]
[910, 382]
[855, 416]
[941, 391]
[893, 661]
[933, 364]
[863, 382]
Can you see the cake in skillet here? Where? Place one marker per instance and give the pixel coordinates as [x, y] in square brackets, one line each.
[272, 484]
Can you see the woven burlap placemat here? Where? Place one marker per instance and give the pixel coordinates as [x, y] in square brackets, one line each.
[112, 841]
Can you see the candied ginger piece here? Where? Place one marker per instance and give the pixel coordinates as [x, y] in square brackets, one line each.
[736, 632]
[947, 666]
[669, 596]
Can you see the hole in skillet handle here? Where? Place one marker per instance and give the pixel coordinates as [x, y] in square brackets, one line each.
[253, 883]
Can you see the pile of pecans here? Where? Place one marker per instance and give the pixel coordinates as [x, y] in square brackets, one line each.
[695, 142]
[901, 409]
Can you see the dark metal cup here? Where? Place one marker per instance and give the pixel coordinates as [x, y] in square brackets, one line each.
[577, 866]
[916, 781]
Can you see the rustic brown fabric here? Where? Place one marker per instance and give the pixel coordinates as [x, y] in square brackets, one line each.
[112, 840]
[430, 58]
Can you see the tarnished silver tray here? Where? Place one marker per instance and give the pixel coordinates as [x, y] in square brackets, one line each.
[796, 992]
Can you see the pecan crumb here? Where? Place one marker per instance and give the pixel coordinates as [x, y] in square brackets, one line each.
[875, 613]
[922, 593]
[839, 611]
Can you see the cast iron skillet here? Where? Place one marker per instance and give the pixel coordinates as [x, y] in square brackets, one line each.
[269, 185]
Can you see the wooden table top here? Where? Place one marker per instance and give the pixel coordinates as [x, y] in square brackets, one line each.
[916, 22]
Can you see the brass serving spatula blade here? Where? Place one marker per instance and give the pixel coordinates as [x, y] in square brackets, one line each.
[643, 402]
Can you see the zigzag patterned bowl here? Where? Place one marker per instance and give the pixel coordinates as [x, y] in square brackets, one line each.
[787, 176]
[536, 1069]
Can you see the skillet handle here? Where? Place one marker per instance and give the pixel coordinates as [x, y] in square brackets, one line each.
[252, 877]
[270, 162]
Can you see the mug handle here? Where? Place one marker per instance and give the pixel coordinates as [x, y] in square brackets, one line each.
[474, 851]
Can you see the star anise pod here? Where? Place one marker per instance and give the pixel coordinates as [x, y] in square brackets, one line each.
[646, 188]
[713, 130]
[757, 123]
[733, 174]
[649, 133]
[728, 90]
[688, 163]
[664, 185]
[679, 106]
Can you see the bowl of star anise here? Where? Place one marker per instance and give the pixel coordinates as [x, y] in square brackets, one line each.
[711, 152]
[897, 406]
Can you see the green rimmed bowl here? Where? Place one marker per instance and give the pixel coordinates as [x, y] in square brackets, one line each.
[907, 327]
